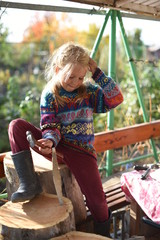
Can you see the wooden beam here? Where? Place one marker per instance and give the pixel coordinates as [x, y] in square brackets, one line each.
[141, 9]
[150, 2]
[125, 136]
[141, 16]
[50, 8]
[95, 2]
[156, 4]
[140, 1]
[93, 11]
[122, 2]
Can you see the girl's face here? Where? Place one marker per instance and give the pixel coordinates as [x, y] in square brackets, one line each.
[75, 78]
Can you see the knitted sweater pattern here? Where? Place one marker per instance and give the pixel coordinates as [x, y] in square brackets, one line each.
[72, 124]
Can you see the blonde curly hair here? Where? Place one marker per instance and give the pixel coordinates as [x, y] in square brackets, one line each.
[65, 58]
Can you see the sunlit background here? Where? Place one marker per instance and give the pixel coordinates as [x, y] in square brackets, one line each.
[17, 20]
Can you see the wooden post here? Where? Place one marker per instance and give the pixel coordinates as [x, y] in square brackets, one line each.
[43, 168]
[41, 218]
[138, 227]
[136, 219]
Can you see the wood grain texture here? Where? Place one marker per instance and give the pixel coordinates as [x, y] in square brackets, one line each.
[43, 168]
[41, 218]
[76, 235]
[2, 156]
[125, 136]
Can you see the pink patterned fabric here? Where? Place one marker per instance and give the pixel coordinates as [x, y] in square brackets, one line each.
[145, 192]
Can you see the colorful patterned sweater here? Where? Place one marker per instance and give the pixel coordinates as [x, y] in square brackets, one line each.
[73, 122]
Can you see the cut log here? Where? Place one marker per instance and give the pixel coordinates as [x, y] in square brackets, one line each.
[2, 155]
[43, 168]
[80, 236]
[41, 218]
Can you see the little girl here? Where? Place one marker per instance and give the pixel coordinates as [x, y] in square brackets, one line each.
[67, 106]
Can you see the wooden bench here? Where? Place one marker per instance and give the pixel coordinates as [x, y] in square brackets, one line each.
[117, 139]
[116, 201]
[115, 197]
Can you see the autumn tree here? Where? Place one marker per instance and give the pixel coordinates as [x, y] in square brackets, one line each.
[50, 32]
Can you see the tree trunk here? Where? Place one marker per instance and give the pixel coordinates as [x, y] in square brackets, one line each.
[43, 168]
[41, 218]
[80, 236]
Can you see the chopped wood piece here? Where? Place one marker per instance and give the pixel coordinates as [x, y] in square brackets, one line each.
[80, 236]
[43, 168]
[41, 218]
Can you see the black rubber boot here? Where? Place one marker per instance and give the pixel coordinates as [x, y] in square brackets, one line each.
[103, 228]
[29, 185]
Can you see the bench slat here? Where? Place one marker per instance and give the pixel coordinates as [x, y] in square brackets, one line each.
[113, 193]
[120, 203]
[125, 136]
[115, 197]
[108, 189]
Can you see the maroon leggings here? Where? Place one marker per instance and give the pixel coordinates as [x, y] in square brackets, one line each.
[83, 166]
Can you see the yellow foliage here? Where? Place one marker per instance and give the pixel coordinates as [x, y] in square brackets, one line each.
[4, 76]
[54, 31]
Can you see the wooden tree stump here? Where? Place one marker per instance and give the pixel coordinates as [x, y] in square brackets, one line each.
[2, 155]
[41, 218]
[80, 236]
[43, 168]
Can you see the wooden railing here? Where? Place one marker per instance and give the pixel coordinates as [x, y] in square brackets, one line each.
[119, 138]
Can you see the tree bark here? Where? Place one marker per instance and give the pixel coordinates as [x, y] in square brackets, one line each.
[41, 218]
[43, 168]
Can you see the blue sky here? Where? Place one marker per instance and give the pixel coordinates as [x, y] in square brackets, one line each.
[17, 21]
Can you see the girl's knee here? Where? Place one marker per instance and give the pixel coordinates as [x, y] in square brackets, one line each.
[15, 125]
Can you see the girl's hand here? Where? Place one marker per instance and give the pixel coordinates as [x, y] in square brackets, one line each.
[92, 66]
[46, 147]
